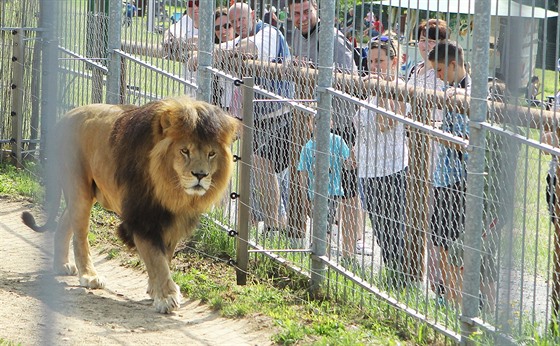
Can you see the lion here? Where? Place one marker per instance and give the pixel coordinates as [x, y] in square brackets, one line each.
[158, 166]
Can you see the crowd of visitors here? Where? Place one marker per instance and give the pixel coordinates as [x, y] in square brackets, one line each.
[369, 145]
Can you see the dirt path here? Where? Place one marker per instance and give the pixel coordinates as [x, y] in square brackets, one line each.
[37, 308]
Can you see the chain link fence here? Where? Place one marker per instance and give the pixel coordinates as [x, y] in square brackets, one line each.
[387, 164]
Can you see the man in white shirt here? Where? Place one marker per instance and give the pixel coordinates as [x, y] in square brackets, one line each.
[183, 35]
[273, 120]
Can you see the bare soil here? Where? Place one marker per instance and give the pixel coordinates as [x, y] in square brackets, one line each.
[39, 308]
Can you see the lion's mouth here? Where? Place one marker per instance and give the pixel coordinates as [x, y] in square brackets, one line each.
[196, 190]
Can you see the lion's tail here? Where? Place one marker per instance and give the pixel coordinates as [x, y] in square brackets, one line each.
[29, 221]
[53, 195]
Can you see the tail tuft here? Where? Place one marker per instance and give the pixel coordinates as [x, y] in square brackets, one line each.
[29, 221]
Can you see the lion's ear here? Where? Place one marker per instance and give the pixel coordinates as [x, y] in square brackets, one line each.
[170, 117]
[167, 119]
[236, 128]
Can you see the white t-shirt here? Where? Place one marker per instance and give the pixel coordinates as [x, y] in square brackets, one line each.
[266, 41]
[379, 153]
[427, 80]
[184, 28]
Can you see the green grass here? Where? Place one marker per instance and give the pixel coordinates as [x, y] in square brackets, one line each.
[21, 182]
[550, 82]
[4, 342]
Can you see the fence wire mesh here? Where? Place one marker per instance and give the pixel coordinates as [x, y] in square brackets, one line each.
[368, 171]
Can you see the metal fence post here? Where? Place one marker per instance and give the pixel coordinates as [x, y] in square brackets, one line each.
[322, 134]
[205, 49]
[475, 174]
[246, 162]
[113, 91]
[49, 106]
[17, 94]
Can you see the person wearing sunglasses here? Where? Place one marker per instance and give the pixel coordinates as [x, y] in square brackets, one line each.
[223, 30]
[382, 156]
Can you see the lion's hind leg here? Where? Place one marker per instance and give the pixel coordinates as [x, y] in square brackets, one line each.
[61, 263]
[79, 214]
[161, 287]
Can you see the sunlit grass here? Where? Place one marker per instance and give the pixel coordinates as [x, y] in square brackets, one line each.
[22, 182]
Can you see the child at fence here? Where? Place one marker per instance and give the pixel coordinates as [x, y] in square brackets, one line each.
[338, 152]
[382, 155]
[496, 177]
[448, 216]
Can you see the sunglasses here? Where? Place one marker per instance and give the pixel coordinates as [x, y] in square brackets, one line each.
[191, 3]
[223, 26]
[381, 38]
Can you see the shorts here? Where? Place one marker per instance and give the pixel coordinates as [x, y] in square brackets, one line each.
[332, 204]
[448, 217]
[551, 195]
[272, 141]
[488, 259]
[333, 207]
[349, 182]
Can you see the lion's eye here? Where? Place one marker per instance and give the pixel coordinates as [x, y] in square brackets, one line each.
[185, 152]
[211, 154]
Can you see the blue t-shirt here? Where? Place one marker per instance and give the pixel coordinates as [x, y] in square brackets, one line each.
[130, 9]
[338, 152]
[451, 164]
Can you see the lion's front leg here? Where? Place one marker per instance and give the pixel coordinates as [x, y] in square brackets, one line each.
[161, 287]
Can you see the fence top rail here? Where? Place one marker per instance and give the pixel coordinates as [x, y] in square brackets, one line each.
[21, 28]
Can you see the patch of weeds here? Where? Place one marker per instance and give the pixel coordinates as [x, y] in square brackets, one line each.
[291, 332]
[134, 262]
[23, 182]
[113, 253]
[4, 342]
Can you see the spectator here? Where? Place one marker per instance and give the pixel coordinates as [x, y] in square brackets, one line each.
[224, 36]
[338, 153]
[282, 17]
[348, 21]
[533, 91]
[382, 156]
[306, 50]
[129, 12]
[450, 171]
[423, 77]
[493, 220]
[374, 27]
[270, 17]
[272, 119]
[184, 33]
[223, 30]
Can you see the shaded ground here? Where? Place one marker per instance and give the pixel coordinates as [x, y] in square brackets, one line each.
[37, 307]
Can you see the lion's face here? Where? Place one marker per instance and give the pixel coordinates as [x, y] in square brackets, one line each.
[195, 164]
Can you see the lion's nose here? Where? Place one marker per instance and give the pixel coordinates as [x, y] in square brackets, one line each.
[199, 175]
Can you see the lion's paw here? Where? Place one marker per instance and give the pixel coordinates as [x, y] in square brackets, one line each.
[169, 304]
[66, 269]
[92, 282]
